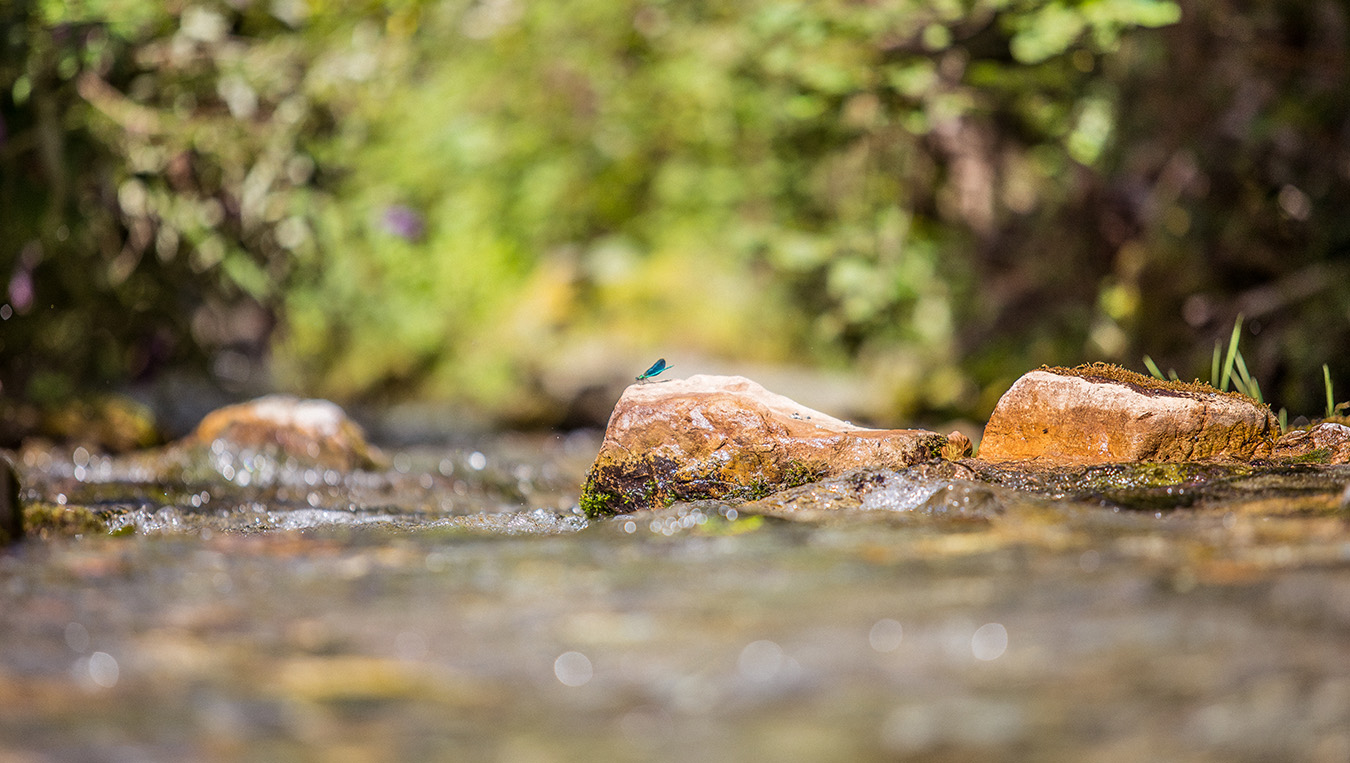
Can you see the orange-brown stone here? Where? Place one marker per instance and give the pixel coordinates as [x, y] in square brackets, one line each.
[1104, 414]
[311, 431]
[728, 437]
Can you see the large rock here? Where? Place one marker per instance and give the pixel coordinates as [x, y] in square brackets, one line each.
[728, 437]
[1105, 414]
[1326, 443]
[307, 431]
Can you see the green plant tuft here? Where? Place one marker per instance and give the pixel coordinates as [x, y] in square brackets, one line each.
[1234, 371]
[594, 503]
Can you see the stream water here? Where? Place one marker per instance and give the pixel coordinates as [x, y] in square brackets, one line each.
[458, 607]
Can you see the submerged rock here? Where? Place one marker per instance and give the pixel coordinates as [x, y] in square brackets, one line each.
[728, 437]
[1291, 489]
[933, 490]
[1105, 414]
[11, 511]
[1326, 443]
[308, 431]
[1141, 486]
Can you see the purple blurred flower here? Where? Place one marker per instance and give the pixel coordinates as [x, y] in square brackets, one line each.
[404, 221]
[21, 290]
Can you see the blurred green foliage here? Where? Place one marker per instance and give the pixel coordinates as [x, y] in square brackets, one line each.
[455, 198]
[154, 198]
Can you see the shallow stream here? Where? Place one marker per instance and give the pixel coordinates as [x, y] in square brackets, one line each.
[458, 607]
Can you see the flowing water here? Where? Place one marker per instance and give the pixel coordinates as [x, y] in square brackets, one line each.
[457, 607]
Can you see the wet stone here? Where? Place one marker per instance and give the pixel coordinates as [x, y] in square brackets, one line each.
[930, 491]
[1105, 414]
[1295, 489]
[1148, 486]
[1326, 443]
[726, 437]
[313, 432]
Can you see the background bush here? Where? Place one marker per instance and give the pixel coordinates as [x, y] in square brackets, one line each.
[470, 200]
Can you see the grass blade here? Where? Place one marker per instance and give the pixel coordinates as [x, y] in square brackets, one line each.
[1331, 400]
[1232, 354]
[1243, 378]
[1153, 368]
[1244, 382]
[1214, 366]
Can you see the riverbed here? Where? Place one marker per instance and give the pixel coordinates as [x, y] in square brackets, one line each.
[458, 606]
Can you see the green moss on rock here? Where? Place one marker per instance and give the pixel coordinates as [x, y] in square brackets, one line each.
[800, 473]
[1316, 456]
[622, 488]
[594, 502]
[642, 483]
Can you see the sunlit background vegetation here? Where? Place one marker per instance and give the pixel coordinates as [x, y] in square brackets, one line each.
[468, 201]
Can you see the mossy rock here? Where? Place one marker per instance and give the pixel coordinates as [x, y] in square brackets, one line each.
[628, 485]
[728, 438]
